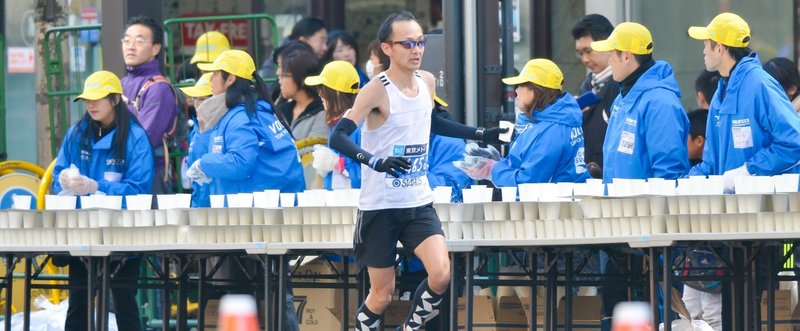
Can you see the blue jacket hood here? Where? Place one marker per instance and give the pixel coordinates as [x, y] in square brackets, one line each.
[659, 76]
[564, 110]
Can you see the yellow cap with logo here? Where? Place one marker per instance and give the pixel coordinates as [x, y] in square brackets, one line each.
[627, 37]
[201, 89]
[542, 72]
[728, 29]
[100, 84]
[338, 75]
[210, 45]
[234, 62]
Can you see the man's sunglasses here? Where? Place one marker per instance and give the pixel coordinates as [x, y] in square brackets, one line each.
[409, 44]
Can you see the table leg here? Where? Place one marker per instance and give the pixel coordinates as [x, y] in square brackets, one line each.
[454, 283]
[468, 296]
[26, 319]
[105, 281]
[666, 289]
[653, 266]
[8, 283]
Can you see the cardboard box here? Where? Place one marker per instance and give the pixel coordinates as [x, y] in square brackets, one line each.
[482, 313]
[786, 319]
[585, 312]
[320, 309]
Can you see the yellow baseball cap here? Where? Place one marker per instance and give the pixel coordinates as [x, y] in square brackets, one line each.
[233, 61]
[200, 89]
[542, 72]
[727, 28]
[100, 84]
[627, 37]
[338, 75]
[210, 45]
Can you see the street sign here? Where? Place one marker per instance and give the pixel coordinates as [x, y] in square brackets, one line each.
[21, 60]
[237, 31]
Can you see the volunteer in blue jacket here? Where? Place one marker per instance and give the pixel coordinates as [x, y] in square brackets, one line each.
[111, 154]
[443, 151]
[648, 128]
[249, 150]
[338, 85]
[549, 143]
[752, 128]
[208, 114]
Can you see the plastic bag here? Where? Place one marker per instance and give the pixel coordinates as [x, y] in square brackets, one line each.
[70, 173]
[686, 325]
[50, 318]
[325, 160]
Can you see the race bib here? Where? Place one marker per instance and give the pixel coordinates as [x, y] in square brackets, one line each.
[742, 137]
[626, 142]
[216, 145]
[112, 177]
[417, 155]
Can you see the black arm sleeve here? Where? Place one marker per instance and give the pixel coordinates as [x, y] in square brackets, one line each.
[340, 141]
[445, 127]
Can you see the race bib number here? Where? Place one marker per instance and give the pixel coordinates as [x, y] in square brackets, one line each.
[626, 142]
[742, 137]
[417, 155]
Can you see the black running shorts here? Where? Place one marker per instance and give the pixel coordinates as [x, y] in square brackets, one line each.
[377, 232]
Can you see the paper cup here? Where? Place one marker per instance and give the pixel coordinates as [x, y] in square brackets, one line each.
[287, 200]
[165, 201]
[21, 201]
[716, 223]
[592, 208]
[160, 217]
[672, 224]
[530, 210]
[780, 202]
[442, 194]
[643, 207]
[515, 212]
[217, 201]
[528, 192]
[509, 194]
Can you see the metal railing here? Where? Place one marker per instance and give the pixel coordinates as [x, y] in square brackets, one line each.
[254, 36]
[57, 87]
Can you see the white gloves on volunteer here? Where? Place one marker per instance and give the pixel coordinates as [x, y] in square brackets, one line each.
[197, 175]
[325, 160]
[478, 161]
[73, 183]
[729, 178]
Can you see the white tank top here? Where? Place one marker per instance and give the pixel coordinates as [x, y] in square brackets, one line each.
[405, 133]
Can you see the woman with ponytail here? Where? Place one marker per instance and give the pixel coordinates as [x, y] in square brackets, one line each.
[249, 149]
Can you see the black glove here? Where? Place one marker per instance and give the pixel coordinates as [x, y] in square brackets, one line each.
[391, 165]
[491, 135]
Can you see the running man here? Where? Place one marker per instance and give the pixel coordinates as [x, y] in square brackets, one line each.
[396, 201]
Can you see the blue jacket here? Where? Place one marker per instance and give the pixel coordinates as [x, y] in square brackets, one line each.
[750, 121]
[100, 165]
[648, 129]
[252, 154]
[441, 171]
[547, 150]
[198, 146]
[353, 167]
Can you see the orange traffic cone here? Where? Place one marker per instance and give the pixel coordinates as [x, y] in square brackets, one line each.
[632, 316]
[237, 312]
